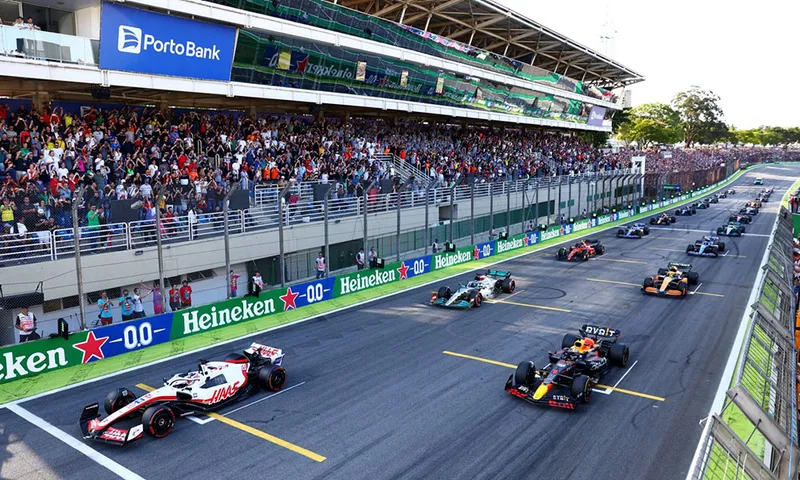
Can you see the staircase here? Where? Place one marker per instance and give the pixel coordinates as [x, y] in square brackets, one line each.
[405, 169]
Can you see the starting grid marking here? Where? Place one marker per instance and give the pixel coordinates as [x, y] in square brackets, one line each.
[607, 390]
[678, 230]
[248, 429]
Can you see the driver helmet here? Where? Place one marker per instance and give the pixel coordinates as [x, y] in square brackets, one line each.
[583, 345]
[673, 269]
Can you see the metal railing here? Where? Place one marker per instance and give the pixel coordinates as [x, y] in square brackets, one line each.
[46, 246]
[764, 387]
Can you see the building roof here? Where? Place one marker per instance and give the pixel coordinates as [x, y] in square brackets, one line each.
[487, 25]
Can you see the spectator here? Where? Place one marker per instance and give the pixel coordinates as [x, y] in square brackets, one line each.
[138, 305]
[26, 324]
[105, 304]
[174, 298]
[256, 285]
[126, 306]
[30, 25]
[320, 263]
[373, 258]
[156, 292]
[234, 284]
[435, 246]
[360, 259]
[186, 295]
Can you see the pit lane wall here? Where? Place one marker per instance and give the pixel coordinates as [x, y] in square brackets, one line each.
[29, 359]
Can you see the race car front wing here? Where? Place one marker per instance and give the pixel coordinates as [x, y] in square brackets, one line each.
[557, 399]
[113, 435]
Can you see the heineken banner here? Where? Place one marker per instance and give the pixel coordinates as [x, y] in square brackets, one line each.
[364, 279]
[218, 315]
[550, 233]
[603, 220]
[581, 225]
[448, 259]
[513, 243]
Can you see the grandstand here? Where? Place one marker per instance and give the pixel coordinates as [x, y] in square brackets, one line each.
[391, 88]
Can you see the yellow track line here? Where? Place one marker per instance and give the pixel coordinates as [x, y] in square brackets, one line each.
[613, 281]
[508, 365]
[479, 359]
[258, 433]
[622, 261]
[530, 305]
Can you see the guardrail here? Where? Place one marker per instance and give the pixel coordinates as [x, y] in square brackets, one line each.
[764, 387]
[30, 247]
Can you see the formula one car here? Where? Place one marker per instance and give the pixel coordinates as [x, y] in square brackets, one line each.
[762, 198]
[706, 247]
[721, 195]
[740, 219]
[758, 181]
[637, 230]
[732, 229]
[672, 281]
[713, 199]
[755, 203]
[214, 385]
[768, 190]
[730, 191]
[702, 204]
[685, 211]
[573, 370]
[582, 250]
[663, 219]
[473, 293]
[748, 210]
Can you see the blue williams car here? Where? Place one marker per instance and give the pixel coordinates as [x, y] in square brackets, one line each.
[637, 230]
[706, 247]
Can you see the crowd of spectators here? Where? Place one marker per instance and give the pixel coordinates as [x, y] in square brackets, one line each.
[127, 153]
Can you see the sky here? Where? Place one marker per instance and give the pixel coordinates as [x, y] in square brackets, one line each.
[748, 53]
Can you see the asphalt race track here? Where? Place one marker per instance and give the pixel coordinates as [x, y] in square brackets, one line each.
[375, 394]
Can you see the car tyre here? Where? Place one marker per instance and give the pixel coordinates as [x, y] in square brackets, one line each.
[475, 298]
[158, 421]
[721, 246]
[689, 248]
[117, 399]
[693, 277]
[562, 253]
[444, 292]
[647, 283]
[525, 372]
[509, 285]
[600, 249]
[581, 388]
[272, 377]
[618, 354]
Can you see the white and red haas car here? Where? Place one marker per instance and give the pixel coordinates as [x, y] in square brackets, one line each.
[213, 386]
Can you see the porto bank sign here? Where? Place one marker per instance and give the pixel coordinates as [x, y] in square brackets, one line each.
[146, 42]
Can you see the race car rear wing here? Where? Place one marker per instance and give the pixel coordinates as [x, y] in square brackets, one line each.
[498, 273]
[600, 333]
[685, 267]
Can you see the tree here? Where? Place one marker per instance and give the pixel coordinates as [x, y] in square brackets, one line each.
[701, 116]
[651, 123]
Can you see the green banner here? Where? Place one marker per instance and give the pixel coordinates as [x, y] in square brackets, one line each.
[218, 315]
[33, 358]
[550, 233]
[448, 259]
[364, 279]
[513, 243]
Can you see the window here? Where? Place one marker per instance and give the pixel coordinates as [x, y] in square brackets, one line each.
[69, 302]
[52, 305]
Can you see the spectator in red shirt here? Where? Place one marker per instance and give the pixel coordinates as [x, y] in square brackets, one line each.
[186, 295]
[174, 299]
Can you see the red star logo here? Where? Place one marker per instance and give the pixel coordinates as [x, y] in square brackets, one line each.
[302, 65]
[403, 270]
[477, 253]
[289, 299]
[92, 347]
[526, 240]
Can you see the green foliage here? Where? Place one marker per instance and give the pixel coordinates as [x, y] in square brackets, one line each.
[766, 136]
[701, 116]
[651, 123]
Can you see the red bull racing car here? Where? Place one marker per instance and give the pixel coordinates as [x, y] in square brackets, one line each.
[213, 386]
[663, 219]
[582, 250]
[573, 370]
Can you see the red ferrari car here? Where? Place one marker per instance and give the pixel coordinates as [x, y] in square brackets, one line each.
[582, 250]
